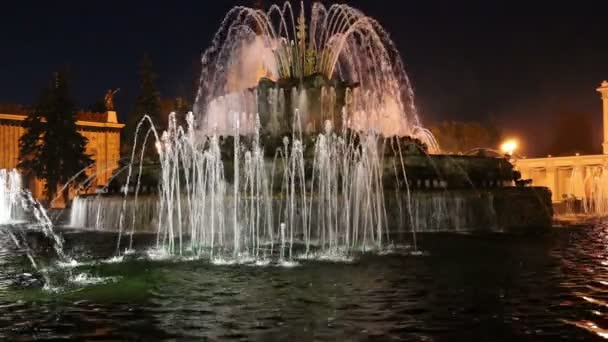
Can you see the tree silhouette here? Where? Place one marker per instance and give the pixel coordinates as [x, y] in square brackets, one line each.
[148, 103]
[461, 137]
[52, 149]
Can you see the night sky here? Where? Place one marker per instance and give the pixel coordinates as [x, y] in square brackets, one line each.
[524, 66]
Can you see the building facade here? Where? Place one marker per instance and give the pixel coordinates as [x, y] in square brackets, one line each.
[102, 131]
[573, 176]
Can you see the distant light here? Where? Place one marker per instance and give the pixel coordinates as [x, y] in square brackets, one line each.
[578, 154]
[509, 146]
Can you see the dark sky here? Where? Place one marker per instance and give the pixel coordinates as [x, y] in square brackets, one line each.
[522, 64]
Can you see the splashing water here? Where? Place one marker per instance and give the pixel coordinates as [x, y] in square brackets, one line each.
[337, 42]
[588, 191]
[10, 188]
[14, 199]
[337, 201]
[227, 190]
[16, 205]
[332, 201]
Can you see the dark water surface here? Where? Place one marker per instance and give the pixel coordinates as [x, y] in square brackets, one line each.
[468, 288]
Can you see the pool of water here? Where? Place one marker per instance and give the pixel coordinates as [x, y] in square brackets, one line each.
[465, 288]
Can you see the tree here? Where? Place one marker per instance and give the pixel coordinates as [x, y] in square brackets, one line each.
[148, 103]
[179, 105]
[52, 149]
[460, 137]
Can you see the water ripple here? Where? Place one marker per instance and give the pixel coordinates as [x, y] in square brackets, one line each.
[498, 288]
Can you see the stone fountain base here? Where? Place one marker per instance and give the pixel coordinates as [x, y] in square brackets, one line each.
[505, 209]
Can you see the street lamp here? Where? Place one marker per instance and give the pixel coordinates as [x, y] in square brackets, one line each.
[509, 146]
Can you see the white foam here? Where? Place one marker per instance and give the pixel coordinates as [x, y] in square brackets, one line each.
[114, 260]
[261, 263]
[73, 263]
[158, 254]
[52, 289]
[288, 263]
[87, 279]
[219, 261]
[328, 256]
[402, 250]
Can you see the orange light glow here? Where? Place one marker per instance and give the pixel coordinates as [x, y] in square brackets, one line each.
[509, 146]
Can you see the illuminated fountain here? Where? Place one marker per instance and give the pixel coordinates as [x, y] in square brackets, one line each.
[301, 107]
[304, 141]
[311, 100]
[20, 213]
[595, 184]
[268, 64]
[592, 183]
[10, 188]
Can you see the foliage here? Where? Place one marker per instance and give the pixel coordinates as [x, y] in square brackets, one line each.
[461, 137]
[52, 149]
[179, 105]
[148, 103]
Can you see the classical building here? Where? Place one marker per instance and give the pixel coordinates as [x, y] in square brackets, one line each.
[572, 176]
[101, 129]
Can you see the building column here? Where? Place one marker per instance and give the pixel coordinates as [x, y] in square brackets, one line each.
[552, 183]
[603, 89]
[578, 181]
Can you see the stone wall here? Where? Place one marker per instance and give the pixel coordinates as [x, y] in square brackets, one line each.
[104, 147]
[508, 209]
[10, 132]
[523, 209]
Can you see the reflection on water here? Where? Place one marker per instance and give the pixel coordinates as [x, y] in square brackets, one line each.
[584, 264]
[468, 288]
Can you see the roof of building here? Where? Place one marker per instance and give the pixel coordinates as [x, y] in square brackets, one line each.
[15, 112]
[11, 108]
[92, 116]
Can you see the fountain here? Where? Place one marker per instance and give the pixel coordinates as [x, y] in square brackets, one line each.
[267, 64]
[21, 215]
[595, 184]
[591, 182]
[10, 187]
[315, 162]
[304, 140]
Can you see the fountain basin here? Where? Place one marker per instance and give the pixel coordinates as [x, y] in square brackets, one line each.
[504, 209]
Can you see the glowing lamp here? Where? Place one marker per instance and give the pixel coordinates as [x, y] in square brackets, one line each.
[508, 147]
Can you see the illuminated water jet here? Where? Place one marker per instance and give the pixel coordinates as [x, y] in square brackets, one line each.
[304, 141]
[338, 44]
[10, 188]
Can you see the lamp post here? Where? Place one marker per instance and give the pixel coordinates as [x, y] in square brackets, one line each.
[508, 147]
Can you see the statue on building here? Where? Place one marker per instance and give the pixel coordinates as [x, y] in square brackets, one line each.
[109, 99]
